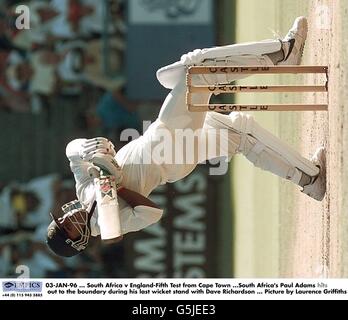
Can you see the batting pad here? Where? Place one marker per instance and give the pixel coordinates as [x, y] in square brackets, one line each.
[248, 127]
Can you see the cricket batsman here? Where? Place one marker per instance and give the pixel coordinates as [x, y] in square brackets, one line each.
[137, 168]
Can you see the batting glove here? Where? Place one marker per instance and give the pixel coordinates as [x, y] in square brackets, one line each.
[108, 165]
[96, 145]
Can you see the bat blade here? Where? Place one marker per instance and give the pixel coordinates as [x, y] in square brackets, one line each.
[108, 208]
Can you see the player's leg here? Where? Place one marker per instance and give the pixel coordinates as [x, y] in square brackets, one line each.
[269, 52]
[175, 116]
[268, 152]
[174, 113]
[236, 54]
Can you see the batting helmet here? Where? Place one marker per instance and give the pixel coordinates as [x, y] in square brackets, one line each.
[57, 238]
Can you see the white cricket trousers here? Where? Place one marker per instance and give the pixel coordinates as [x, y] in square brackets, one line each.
[240, 131]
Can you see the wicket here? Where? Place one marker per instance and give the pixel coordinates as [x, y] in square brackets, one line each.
[231, 88]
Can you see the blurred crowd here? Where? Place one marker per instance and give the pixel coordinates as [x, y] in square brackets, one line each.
[73, 48]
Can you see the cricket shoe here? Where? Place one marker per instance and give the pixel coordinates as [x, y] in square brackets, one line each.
[317, 187]
[294, 42]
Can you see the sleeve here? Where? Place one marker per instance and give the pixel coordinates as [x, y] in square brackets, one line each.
[139, 218]
[131, 219]
[84, 183]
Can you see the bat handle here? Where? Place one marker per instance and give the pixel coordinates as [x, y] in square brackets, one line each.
[94, 172]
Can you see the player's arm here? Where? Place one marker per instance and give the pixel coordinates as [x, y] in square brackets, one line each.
[100, 152]
[142, 211]
[79, 168]
[80, 153]
[135, 199]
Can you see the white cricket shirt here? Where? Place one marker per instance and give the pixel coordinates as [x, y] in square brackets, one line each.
[139, 177]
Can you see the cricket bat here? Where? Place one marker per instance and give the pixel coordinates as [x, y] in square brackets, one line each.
[108, 208]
